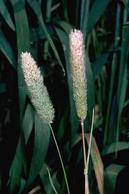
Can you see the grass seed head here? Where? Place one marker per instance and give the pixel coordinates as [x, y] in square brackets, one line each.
[37, 90]
[77, 57]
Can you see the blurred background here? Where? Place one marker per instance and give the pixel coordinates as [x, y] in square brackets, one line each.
[29, 163]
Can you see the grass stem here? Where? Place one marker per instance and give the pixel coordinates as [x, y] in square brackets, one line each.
[62, 164]
[86, 186]
[90, 141]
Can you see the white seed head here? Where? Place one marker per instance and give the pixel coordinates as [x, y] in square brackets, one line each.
[77, 57]
[37, 90]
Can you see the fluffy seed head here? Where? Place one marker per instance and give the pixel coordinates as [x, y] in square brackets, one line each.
[77, 57]
[37, 90]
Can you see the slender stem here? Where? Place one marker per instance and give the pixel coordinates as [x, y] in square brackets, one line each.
[90, 141]
[86, 186]
[61, 161]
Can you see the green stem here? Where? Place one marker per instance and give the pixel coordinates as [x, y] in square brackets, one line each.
[86, 186]
[61, 161]
[90, 141]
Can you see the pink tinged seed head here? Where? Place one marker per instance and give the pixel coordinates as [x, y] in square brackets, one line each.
[77, 57]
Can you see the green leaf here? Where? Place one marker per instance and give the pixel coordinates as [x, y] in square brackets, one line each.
[49, 10]
[99, 63]
[110, 149]
[7, 50]
[90, 89]
[73, 115]
[28, 122]
[37, 10]
[66, 27]
[16, 167]
[51, 179]
[22, 27]
[2, 88]
[6, 15]
[111, 174]
[22, 33]
[22, 185]
[84, 16]
[97, 164]
[123, 80]
[45, 178]
[96, 12]
[41, 143]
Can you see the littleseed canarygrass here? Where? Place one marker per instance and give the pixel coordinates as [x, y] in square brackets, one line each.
[77, 57]
[37, 90]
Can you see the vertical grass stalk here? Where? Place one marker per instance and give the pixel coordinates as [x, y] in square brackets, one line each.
[77, 54]
[86, 160]
[90, 141]
[62, 164]
[86, 184]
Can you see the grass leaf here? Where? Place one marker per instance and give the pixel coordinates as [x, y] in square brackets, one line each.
[111, 174]
[37, 10]
[7, 50]
[28, 122]
[97, 164]
[16, 167]
[110, 149]
[22, 33]
[73, 115]
[6, 15]
[41, 142]
[95, 13]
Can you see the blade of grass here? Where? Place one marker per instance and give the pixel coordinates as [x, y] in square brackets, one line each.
[113, 71]
[22, 33]
[95, 13]
[110, 149]
[99, 63]
[7, 50]
[41, 143]
[46, 181]
[65, 9]
[6, 15]
[28, 122]
[3, 87]
[48, 10]
[90, 89]
[51, 181]
[97, 164]
[111, 174]
[122, 82]
[17, 167]
[73, 116]
[84, 16]
[37, 10]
